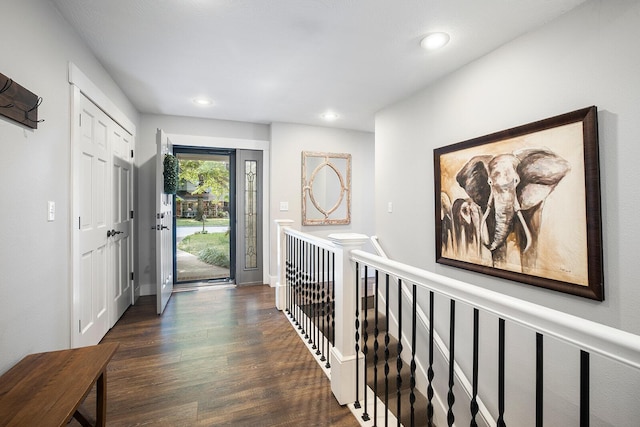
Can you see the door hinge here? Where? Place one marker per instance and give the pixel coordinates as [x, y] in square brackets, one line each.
[131, 216]
[132, 154]
[132, 275]
[80, 120]
[78, 223]
[79, 326]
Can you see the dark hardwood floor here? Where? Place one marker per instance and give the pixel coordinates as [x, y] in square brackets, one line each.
[216, 357]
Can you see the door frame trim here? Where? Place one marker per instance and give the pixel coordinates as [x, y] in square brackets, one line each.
[240, 144]
[98, 97]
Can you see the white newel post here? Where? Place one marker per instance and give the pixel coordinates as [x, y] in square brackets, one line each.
[343, 354]
[281, 280]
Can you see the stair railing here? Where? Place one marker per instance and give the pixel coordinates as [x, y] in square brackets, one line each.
[315, 289]
[350, 338]
[590, 338]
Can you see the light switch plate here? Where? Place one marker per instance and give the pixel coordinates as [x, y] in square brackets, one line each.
[284, 206]
[51, 210]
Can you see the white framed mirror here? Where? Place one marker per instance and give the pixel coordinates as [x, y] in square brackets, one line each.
[326, 188]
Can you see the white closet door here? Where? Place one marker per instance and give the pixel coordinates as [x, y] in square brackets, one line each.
[102, 231]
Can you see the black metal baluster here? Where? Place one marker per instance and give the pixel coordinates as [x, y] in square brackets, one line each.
[308, 294]
[500, 421]
[309, 334]
[476, 344]
[386, 356]
[316, 296]
[539, 379]
[316, 303]
[376, 331]
[298, 282]
[311, 290]
[365, 336]
[584, 388]
[287, 274]
[356, 404]
[294, 288]
[324, 302]
[331, 322]
[291, 284]
[430, 373]
[452, 335]
[301, 287]
[412, 396]
[399, 355]
[303, 281]
[305, 292]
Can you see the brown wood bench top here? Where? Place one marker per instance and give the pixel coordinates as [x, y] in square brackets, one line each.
[46, 389]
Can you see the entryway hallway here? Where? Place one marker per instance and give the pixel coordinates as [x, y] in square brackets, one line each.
[217, 356]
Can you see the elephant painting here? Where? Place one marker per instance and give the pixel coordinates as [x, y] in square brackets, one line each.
[466, 226]
[510, 190]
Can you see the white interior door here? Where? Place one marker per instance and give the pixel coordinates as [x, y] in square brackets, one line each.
[91, 205]
[102, 188]
[120, 241]
[164, 223]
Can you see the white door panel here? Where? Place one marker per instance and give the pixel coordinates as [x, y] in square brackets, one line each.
[91, 289]
[102, 243]
[164, 223]
[121, 242]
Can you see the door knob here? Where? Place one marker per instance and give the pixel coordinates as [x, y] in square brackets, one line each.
[113, 233]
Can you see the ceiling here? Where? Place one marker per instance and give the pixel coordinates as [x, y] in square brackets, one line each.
[267, 61]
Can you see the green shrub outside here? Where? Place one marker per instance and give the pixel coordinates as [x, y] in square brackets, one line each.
[215, 256]
[212, 248]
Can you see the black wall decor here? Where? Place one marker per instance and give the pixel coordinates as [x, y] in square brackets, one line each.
[18, 103]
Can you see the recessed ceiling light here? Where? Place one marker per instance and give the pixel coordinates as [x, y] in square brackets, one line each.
[434, 41]
[329, 115]
[202, 101]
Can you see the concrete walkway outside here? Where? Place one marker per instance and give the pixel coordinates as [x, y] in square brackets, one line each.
[189, 267]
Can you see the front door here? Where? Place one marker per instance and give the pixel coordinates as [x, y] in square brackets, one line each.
[249, 215]
[203, 212]
[164, 223]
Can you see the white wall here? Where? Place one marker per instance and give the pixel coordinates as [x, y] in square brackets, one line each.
[288, 141]
[588, 57]
[37, 46]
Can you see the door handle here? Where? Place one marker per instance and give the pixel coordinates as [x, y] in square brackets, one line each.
[160, 227]
[113, 233]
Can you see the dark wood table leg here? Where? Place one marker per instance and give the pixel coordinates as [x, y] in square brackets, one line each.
[83, 418]
[101, 400]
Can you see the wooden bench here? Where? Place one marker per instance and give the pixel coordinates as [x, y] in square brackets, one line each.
[46, 389]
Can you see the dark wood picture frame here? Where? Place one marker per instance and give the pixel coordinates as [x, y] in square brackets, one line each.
[523, 204]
